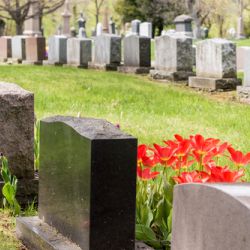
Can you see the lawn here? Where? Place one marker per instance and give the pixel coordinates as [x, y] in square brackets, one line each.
[149, 110]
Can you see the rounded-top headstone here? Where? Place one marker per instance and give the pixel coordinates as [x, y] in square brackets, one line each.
[183, 19]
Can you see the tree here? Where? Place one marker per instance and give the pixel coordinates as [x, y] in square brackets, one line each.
[18, 10]
[98, 6]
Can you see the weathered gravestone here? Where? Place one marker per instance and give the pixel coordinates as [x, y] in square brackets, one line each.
[18, 48]
[57, 53]
[79, 52]
[215, 65]
[173, 58]
[5, 48]
[17, 137]
[107, 52]
[35, 50]
[137, 55]
[87, 187]
[211, 217]
[183, 25]
[244, 91]
[135, 26]
[146, 29]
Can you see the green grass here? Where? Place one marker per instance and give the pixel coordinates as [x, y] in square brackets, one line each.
[149, 110]
[242, 42]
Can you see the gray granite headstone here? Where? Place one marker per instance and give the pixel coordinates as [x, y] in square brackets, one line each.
[135, 26]
[79, 52]
[57, 53]
[211, 216]
[183, 24]
[18, 47]
[87, 183]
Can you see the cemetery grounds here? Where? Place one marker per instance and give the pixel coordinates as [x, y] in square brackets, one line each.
[149, 110]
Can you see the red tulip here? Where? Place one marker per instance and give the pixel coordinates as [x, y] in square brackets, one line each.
[146, 174]
[192, 177]
[165, 154]
[182, 163]
[146, 156]
[238, 157]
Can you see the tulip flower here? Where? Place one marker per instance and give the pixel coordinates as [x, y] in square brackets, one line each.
[146, 156]
[238, 157]
[146, 174]
[192, 177]
[165, 154]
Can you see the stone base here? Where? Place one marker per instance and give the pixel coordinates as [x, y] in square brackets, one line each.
[133, 70]
[212, 84]
[35, 234]
[46, 62]
[32, 62]
[79, 66]
[27, 191]
[3, 60]
[106, 67]
[243, 93]
[14, 61]
[171, 76]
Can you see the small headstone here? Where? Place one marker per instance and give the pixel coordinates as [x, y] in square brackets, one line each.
[82, 33]
[99, 29]
[146, 29]
[35, 50]
[17, 137]
[18, 48]
[57, 54]
[79, 52]
[107, 52]
[87, 187]
[211, 216]
[173, 58]
[215, 65]
[5, 48]
[183, 25]
[137, 55]
[135, 27]
[111, 26]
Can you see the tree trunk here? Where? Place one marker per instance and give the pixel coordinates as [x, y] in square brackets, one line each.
[197, 29]
[19, 27]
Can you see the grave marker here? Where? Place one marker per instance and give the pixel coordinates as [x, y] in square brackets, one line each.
[146, 29]
[5, 48]
[18, 48]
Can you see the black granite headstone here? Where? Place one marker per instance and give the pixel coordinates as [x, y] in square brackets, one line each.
[88, 182]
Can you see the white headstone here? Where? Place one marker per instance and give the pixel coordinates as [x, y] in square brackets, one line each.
[99, 29]
[135, 26]
[246, 81]
[146, 29]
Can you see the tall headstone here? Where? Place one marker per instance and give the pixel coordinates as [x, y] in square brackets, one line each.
[5, 48]
[215, 65]
[79, 52]
[137, 55]
[18, 48]
[107, 52]
[146, 29]
[32, 25]
[244, 91]
[17, 137]
[35, 50]
[57, 54]
[173, 58]
[98, 29]
[211, 216]
[135, 27]
[87, 187]
[66, 15]
[183, 25]
[112, 28]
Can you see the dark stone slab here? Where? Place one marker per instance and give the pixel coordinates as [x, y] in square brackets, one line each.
[212, 84]
[88, 182]
[36, 234]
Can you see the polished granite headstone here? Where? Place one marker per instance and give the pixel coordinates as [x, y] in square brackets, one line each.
[87, 184]
[18, 48]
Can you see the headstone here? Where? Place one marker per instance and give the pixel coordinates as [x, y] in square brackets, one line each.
[17, 137]
[112, 26]
[211, 216]
[240, 57]
[79, 52]
[5, 48]
[18, 48]
[135, 26]
[66, 15]
[232, 33]
[98, 29]
[82, 33]
[57, 54]
[137, 55]
[87, 187]
[243, 92]
[81, 21]
[35, 50]
[215, 65]
[183, 25]
[146, 29]
[173, 58]
[107, 52]
[32, 25]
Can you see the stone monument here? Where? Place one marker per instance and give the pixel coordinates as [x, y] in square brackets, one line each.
[5, 48]
[112, 28]
[146, 29]
[107, 52]
[81, 21]
[215, 65]
[211, 216]
[105, 23]
[66, 15]
[87, 187]
[17, 138]
[183, 25]
[137, 55]
[173, 58]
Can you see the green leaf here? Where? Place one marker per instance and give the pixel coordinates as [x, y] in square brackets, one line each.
[170, 220]
[9, 193]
